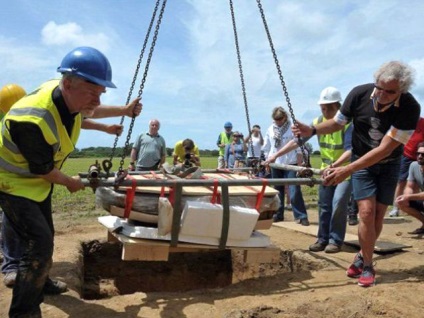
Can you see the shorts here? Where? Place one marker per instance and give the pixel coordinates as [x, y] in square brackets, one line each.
[405, 162]
[417, 205]
[378, 181]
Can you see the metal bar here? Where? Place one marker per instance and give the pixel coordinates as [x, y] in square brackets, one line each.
[225, 216]
[202, 182]
[177, 214]
[294, 168]
[136, 173]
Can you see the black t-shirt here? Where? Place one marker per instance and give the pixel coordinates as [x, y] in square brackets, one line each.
[370, 126]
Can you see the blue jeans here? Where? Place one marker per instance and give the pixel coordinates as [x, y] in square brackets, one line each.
[11, 249]
[333, 202]
[296, 198]
[32, 222]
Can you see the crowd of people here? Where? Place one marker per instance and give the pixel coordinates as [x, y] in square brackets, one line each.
[365, 167]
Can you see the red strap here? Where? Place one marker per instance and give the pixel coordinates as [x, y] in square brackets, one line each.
[260, 195]
[130, 197]
[171, 196]
[215, 195]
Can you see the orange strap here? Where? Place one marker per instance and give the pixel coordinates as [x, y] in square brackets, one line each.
[216, 198]
[260, 195]
[129, 199]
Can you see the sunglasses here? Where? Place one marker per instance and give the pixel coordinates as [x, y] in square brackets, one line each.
[279, 118]
[387, 91]
[420, 154]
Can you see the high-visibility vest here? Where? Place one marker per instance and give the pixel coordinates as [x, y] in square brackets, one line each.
[331, 145]
[37, 108]
[224, 140]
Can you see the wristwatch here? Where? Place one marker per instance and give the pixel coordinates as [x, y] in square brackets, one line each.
[314, 130]
[132, 163]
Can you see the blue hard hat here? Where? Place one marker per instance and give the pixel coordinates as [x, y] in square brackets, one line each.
[228, 125]
[88, 63]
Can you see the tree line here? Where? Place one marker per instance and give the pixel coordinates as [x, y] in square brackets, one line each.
[105, 152]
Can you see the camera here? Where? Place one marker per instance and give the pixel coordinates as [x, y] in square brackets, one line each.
[187, 160]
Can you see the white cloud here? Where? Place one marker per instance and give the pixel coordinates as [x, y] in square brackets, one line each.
[72, 34]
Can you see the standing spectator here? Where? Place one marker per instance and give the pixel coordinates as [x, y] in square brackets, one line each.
[352, 211]
[412, 199]
[234, 154]
[186, 153]
[408, 156]
[39, 133]
[384, 116]
[224, 139]
[335, 151]
[149, 149]
[277, 136]
[254, 141]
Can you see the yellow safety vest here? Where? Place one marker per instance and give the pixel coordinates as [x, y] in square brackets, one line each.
[224, 140]
[37, 108]
[331, 145]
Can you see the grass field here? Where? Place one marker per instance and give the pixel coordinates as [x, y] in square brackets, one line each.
[82, 203]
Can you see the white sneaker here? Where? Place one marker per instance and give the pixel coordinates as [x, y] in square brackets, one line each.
[394, 213]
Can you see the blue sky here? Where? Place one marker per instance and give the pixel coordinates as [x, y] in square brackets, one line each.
[193, 85]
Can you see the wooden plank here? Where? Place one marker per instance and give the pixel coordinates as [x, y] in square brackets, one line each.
[350, 239]
[381, 246]
[270, 255]
[134, 252]
[150, 250]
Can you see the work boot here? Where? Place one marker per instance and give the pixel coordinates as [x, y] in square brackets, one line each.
[54, 287]
[317, 247]
[9, 279]
[277, 217]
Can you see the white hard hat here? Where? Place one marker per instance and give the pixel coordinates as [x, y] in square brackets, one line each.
[330, 95]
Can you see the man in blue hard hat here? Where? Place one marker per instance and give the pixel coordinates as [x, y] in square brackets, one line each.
[224, 139]
[40, 132]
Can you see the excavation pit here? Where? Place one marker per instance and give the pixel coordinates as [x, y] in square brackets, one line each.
[105, 274]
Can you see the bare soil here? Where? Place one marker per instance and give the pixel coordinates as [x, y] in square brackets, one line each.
[218, 284]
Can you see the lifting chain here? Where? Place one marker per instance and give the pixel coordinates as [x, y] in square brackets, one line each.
[286, 94]
[112, 155]
[241, 75]
[140, 92]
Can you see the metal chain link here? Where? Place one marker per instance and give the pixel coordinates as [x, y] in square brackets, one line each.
[286, 94]
[112, 155]
[140, 92]
[243, 88]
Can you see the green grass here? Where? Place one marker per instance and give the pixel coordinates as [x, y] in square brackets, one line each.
[82, 203]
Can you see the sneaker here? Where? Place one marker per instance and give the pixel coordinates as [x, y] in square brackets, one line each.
[54, 287]
[9, 279]
[367, 277]
[355, 269]
[394, 213]
[304, 222]
[333, 248]
[288, 207]
[353, 219]
[317, 247]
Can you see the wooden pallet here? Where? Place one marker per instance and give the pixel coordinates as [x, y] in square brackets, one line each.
[149, 250]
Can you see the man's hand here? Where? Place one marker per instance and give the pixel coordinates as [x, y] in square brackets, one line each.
[333, 176]
[402, 201]
[134, 108]
[302, 130]
[114, 129]
[75, 184]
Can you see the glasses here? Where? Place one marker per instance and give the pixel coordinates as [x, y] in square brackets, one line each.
[420, 154]
[387, 91]
[279, 118]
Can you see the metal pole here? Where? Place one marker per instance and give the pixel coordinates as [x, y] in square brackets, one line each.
[294, 168]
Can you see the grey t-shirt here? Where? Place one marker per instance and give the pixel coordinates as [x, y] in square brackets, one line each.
[150, 150]
[416, 175]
